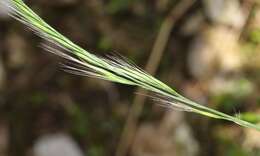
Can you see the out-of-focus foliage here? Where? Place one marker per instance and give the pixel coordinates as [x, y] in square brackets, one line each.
[254, 36]
[217, 63]
[251, 117]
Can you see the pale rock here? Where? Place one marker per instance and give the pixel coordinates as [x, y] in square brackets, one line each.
[225, 12]
[59, 144]
[215, 50]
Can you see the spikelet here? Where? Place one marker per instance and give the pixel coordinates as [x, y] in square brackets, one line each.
[110, 68]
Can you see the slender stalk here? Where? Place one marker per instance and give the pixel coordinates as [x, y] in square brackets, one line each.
[111, 68]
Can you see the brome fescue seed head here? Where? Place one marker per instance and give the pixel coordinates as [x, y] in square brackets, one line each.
[111, 68]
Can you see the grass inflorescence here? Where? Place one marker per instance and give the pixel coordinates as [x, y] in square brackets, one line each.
[110, 68]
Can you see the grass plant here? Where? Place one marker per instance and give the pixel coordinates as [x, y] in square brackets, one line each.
[111, 68]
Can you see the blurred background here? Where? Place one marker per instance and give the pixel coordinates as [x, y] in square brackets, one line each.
[208, 50]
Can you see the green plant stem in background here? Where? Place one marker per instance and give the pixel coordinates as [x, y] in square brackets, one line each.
[112, 68]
